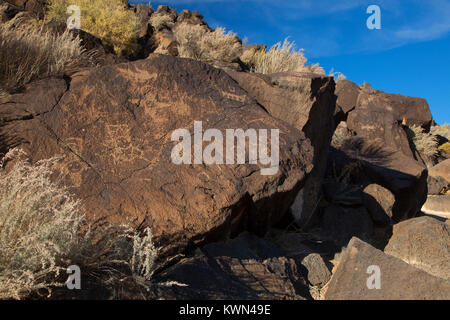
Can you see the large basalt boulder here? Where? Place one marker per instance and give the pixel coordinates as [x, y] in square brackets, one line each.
[347, 93]
[306, 101]
[424, 243]
[412, 110]
[375, 118]
[385, 150]
[355, 277]
[243, 268]
[114, 124]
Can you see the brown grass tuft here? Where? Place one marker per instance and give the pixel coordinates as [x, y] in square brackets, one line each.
[28, 53]
[196, 42]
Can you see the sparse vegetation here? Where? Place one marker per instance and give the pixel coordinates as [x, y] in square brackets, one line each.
[445, 147]
[443, 131]
[43, 231]
[144, 255]
[108, 20]
[161, 21]
[425, 143]
[197, 42]
[338, 76]
[279, 58]
[28, 53]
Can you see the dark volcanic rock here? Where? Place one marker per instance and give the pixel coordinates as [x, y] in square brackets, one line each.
[341, 224]
[438, 206]
[437, 185]
[317, 272]
[226, 278]
[347, 93]
[34, 6]
[306, 101]
[441, 170]
[243, 268]
[398, 280]
[113, 125]
[379, 202]
[424, 243]
[375, 119]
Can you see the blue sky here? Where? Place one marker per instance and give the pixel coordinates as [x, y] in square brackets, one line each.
[410, 55]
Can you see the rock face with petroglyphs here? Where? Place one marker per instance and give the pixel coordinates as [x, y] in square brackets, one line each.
[306, 101]
[113, 125]
[379, 141]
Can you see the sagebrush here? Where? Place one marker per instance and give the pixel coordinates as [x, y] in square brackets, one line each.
[443, 131]
[213, 47]
[28, 53]
[282, 57]
[425, 143]
[161, 21]
[43, 231]
[109, 20]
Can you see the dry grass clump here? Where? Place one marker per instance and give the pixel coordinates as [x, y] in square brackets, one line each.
[28, 53]
[338, 76]
[443, 131]
[425, 143]
[43, 231]
[161, 21]
[143, 262]
[108, 20]
[213, 47]
[279, 58]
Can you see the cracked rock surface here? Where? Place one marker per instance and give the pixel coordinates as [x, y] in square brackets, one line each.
[113, 124]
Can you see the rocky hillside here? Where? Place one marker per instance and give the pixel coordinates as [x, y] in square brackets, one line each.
[356, 165]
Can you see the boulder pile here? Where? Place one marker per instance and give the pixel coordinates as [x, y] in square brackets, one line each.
[342, 216]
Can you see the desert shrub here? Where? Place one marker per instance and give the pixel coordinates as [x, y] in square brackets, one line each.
[279, 58]
[338, 76]
[143, 262]
[43, 231]
[425, 143]
[108, 20]
[28, 53]
[161, 21]
[445, 147]
[443, 131]
[213, 47]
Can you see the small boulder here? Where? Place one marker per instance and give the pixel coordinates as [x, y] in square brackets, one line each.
[379, 202]
[317, 271]
[424, 243]
[356, 277]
